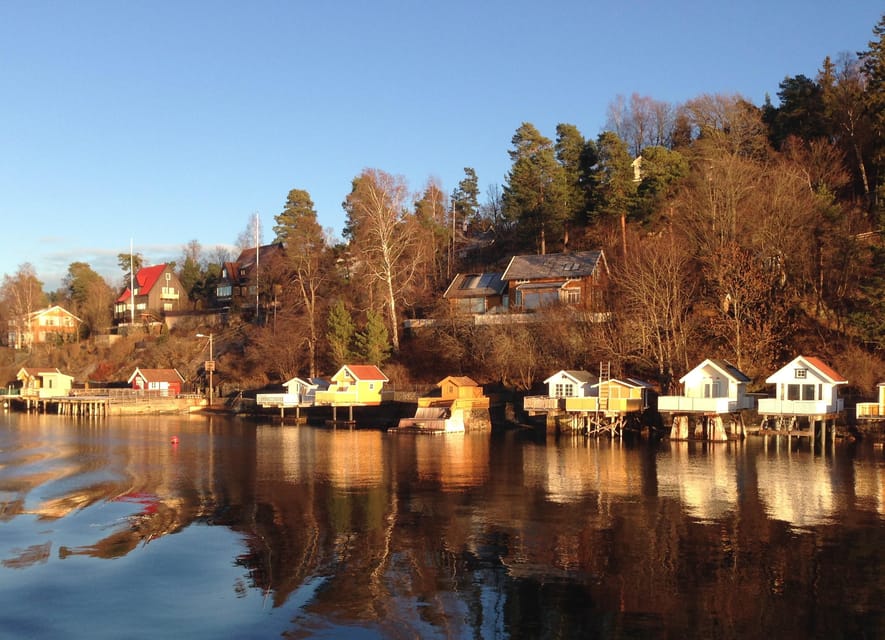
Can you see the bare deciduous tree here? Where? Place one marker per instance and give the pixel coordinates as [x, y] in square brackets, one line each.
[382, 238]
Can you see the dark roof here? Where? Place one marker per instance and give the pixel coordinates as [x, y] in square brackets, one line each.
[475, 285]
[732, 370]
[553, 265]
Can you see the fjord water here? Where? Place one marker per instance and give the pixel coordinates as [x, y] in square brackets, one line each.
[109, 529]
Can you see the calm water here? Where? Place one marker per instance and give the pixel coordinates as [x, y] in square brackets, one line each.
[109, 530]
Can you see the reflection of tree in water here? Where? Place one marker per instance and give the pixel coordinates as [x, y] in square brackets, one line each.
[35, 554]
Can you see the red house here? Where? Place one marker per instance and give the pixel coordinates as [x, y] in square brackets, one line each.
[166, 380]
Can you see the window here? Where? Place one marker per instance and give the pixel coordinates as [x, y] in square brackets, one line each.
[808, 392]
[712, 389]
[792, 392]
[572, 296]
[801, 374]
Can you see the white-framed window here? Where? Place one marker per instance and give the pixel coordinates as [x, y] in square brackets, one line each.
[801, 374]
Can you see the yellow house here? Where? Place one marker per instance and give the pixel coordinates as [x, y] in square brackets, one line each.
[44, 383]
[354, 384]
[873, 410]
[614, 396]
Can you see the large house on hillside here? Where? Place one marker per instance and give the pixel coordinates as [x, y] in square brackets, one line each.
[155, 291]
[253, 280]
[576, 279]
[46, 325]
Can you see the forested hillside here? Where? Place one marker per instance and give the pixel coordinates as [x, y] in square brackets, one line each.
[747, 232]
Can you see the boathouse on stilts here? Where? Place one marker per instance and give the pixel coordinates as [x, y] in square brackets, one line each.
[806, 401]
[711, 405]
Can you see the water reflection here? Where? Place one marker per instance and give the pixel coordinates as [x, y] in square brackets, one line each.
[463, 535]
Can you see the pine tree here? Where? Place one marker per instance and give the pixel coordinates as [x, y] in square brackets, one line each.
[340, 333]
[372, 344]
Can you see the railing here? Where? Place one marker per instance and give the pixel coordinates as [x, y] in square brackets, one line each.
[870, 410]
[277, 399]
[615, 405]
[542, 403]
[703, 405]
[774, 406]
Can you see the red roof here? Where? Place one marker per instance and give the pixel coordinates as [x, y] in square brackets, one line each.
[824, 368]
[145, 279]
[157, 375]
[366, 372]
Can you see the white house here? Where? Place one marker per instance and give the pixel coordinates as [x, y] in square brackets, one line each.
[804, 387]
[714, 386]
[568, 384]
[562, 384]
[299, 393]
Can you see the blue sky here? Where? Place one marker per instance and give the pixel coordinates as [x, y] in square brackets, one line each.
[165, 122]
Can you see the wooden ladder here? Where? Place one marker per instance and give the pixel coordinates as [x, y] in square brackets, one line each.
[605, 369]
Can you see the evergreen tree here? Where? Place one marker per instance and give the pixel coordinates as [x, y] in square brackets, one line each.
[571, 154]
[616, 180]
[340, 331]
[465, 199]
[372, 344]
[534, 194]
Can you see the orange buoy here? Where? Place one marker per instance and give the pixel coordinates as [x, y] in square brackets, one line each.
[174, 440]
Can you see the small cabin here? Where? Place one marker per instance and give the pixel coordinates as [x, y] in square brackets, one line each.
[44, 383]
[354, 384]
[806, 386]
[873, 410]
[714, 386]
[166, 381]
[299, 393]
[561, 385]
[461, 405]
[614, 396]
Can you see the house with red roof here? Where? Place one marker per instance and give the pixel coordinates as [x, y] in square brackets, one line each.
[155, 291]
[805, 387]
[167, 381]
[353, 384]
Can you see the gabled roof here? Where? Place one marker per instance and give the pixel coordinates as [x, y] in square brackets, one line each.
[55, 307]
[633, 383]
[579, 376]
[554, 265]
[458, 381]
[810, 362]
[247, 257]
[475, 285]
[157, 375]
[39, 372]
[364, 372]
[145, 279]
[725, 368]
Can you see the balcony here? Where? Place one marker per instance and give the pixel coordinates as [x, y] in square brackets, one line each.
[542, 403]
[684, 404]
[773, 406]
[607, 405]
[870, 410]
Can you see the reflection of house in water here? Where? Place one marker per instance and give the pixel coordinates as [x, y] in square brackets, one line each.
[705, 485]
[571, 473]
[869, 485]
[795, 488]
[456, 463]
[460, 406]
